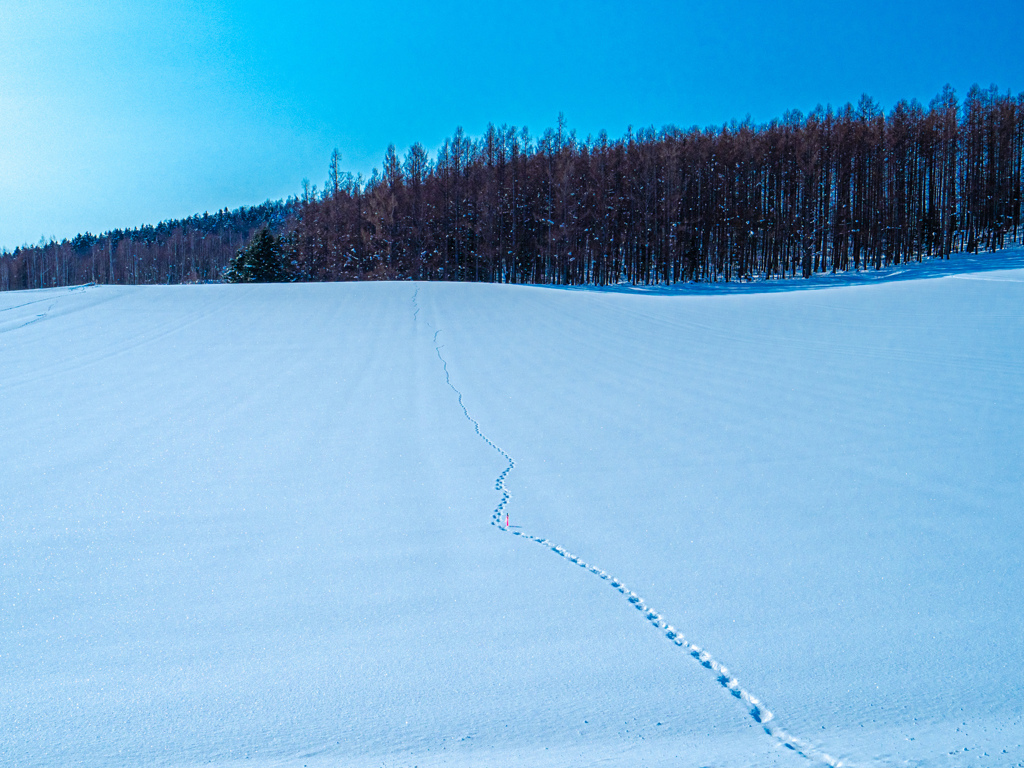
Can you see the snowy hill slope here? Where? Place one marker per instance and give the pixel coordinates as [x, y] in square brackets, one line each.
[252, 524]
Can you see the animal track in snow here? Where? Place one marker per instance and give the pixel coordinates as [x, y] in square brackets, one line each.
[52, 302]
[754, 706]
[28, 303]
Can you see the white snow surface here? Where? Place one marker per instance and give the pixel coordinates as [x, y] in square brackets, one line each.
[254, 525]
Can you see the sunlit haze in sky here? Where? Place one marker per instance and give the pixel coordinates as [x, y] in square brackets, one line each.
[117, 113]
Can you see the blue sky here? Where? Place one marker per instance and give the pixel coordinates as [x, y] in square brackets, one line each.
[116, 113]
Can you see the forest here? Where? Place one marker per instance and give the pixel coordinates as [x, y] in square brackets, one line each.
[841, 189]
[195, 249]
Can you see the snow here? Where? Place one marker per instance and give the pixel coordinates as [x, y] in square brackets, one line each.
[253, 524]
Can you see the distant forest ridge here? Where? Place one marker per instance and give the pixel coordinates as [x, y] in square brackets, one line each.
[835, 190]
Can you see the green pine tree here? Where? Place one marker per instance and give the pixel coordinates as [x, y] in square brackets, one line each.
[259, 262]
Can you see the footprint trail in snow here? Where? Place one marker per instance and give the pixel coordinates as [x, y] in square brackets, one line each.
[754, 706]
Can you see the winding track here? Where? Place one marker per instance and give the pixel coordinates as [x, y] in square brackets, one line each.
[755, 707]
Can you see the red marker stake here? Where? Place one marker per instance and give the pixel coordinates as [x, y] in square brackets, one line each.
[506, 519]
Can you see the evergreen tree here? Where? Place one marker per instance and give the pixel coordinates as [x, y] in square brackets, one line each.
[259, 262]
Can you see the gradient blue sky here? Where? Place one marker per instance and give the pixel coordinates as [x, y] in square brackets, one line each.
[116, 113]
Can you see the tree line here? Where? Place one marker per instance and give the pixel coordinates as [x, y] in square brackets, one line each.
[195, 249]
[834, 190]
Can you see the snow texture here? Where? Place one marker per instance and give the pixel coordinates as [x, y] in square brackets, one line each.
[265, 525]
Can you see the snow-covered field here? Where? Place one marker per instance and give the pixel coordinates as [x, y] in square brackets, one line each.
[252, 525]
